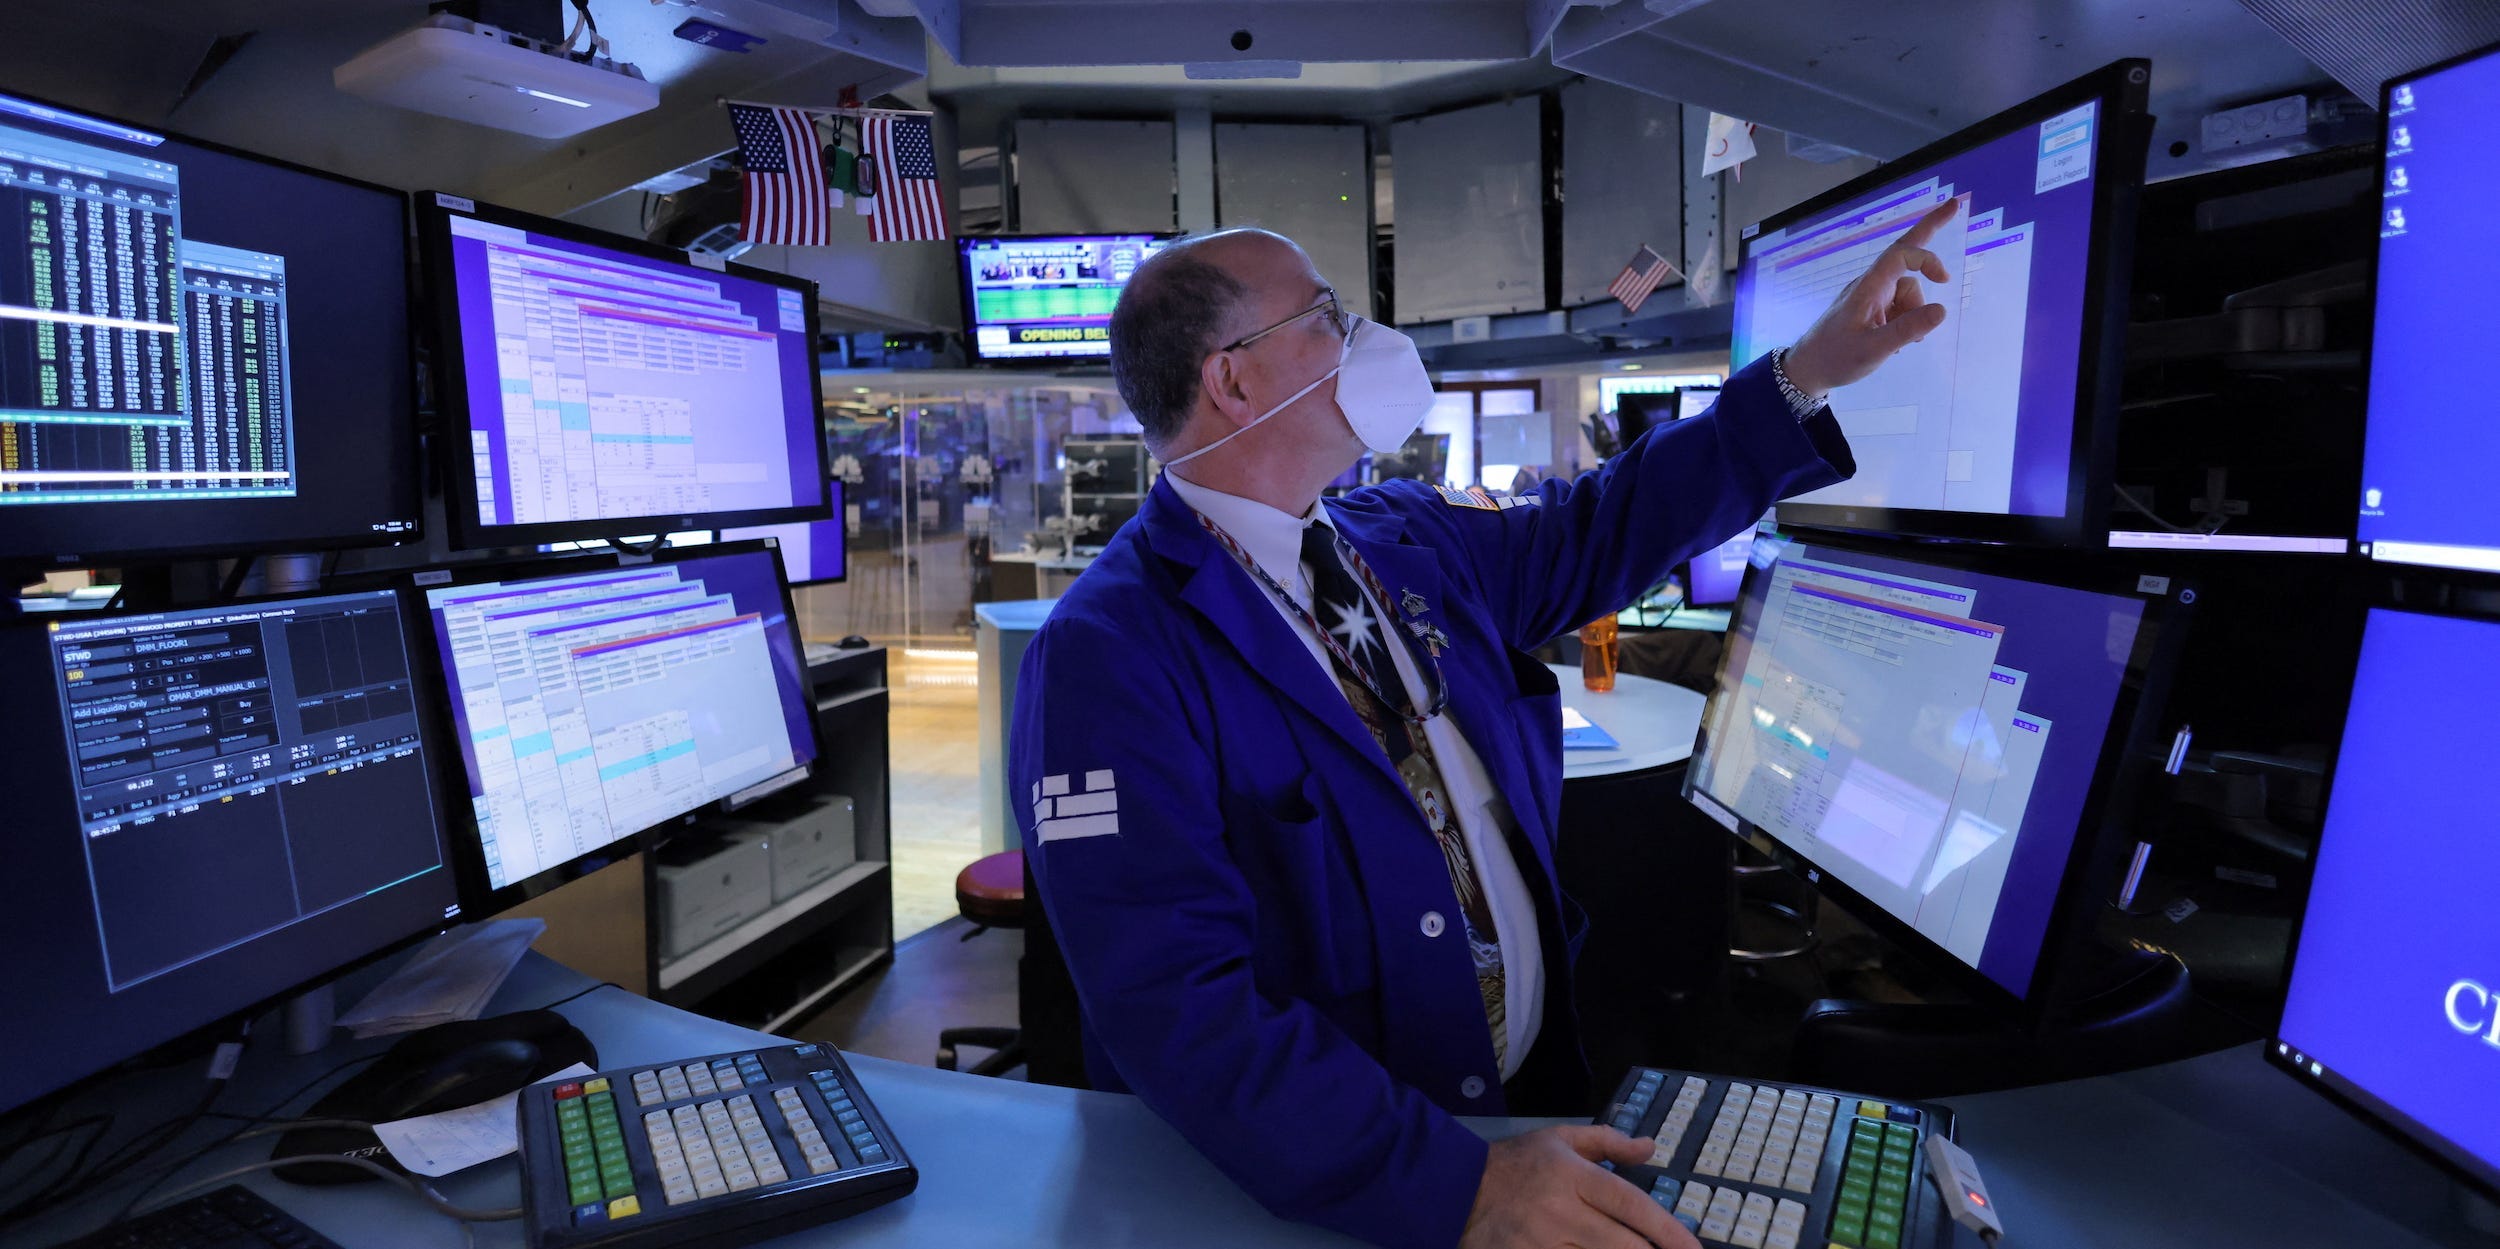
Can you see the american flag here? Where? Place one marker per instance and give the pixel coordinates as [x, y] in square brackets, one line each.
[785, 188]
[1631, 287]
[907, 205]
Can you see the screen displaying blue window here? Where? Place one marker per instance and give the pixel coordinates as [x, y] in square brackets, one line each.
[594, 705]
[2426, 460]
[2395, 988]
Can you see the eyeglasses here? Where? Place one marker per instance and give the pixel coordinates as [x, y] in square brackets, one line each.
[1327, 306]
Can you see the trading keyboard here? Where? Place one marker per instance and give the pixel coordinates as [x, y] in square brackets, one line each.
[233, 1217]
[712, 1151]
[1763, 1167]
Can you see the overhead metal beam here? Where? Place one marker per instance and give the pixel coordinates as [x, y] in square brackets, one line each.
[1071, 32]
[1652, 62]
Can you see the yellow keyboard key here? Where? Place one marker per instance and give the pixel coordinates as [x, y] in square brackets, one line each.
[624, 1207]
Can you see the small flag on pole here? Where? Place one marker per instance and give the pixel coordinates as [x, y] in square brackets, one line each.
[1632, 287]
[907, 204]
[786, 200]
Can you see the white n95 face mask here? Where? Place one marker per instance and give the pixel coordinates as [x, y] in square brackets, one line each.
[1381, 388]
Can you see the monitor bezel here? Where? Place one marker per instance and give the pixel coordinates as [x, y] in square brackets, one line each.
[429, 737]
[972, 322]
[479, 897]
[2131, 750]
[2118, 156]
[408, 431]
[2369, 350]
[2360, 1103]
[840, 517]
[441, 334]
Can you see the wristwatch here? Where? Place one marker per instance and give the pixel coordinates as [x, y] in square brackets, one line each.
[1799, 402]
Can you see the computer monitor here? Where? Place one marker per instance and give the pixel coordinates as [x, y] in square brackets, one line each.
[2426, 485]
[593, 705]
[1933, 745]
[812, 552]
[2393, 1004]
[605, 386]
[2001, 425]
[1423, 457]
[201, 351]
[1713, 577]
[1641, 411]
[1692, 401]
[1047, 297]
[209, 808]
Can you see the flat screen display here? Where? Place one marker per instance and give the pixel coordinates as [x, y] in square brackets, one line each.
[1980, 419]
[1924, 736]
[813, 552]
[2394, 1001]
[594, 705]
[2429, 444]
[200, 351]
[1715, 575]
[1048, 297]
[607, 388]
[208, 807]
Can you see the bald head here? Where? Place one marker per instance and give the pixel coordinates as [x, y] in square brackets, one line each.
[1185, 303]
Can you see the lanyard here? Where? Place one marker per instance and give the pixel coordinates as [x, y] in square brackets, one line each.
[1403, 706]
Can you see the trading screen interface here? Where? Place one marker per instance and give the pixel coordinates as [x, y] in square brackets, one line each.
[604, 385]
[2430, 441]
[1049, 297]
[2395, 989]
[594, 705]
[811, 551]
[1714, 575]
[1978, 417]
[1926, 736]
[240, 802]
[181, 325]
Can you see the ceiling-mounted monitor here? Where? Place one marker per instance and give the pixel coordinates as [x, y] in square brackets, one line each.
[1047, 297]
[201, 351]
[2000, 426]
[602, 386]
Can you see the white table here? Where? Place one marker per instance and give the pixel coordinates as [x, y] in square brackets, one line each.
[1654, 723]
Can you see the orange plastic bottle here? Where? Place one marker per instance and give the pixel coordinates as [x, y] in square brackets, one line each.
[1597, 654]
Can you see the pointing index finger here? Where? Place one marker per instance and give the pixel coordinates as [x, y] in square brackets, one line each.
[1927, 226]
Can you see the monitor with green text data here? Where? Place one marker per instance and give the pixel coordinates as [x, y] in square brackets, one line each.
[1047, 297]
[201, 351]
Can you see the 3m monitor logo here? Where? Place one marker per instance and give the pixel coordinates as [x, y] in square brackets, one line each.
[2470, 1012]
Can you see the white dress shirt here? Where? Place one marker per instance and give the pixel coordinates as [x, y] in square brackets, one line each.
[1274, 541]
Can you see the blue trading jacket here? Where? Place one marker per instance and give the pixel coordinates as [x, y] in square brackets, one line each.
[1232, 868]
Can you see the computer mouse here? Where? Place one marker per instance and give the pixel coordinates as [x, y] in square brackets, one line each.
[852, 643]
[476, 1072]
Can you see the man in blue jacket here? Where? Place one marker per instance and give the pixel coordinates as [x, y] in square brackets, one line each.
[1291, 780]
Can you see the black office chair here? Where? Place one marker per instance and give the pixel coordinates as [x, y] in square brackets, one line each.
[990, 893]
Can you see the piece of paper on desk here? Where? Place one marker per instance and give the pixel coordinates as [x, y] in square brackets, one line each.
[1581, 733]
[450, 978]
[455, 1140]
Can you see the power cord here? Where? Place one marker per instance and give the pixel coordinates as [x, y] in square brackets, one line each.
[604, 984]
[424, 1192]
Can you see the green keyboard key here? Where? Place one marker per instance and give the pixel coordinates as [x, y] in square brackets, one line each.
[1860, 1166]
[1883, 1229]
[1902, 1132]
[1856, 1193]
[1849, 1225]
[1892, 1192]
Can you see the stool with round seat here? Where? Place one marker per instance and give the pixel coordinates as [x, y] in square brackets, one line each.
[990, 893]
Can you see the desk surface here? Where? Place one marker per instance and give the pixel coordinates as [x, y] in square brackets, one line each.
[1652, 722]
[2212, 1152]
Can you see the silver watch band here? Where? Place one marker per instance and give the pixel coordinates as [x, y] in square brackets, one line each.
[1799, 402]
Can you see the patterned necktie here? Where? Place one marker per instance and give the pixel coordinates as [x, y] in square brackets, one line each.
[1341, 607]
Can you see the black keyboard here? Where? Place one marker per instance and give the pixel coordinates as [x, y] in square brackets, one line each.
[713, 1152]
[233, 1217]
[1761, 1166]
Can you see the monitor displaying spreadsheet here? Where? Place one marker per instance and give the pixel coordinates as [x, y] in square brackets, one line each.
[593, 705]
[2430, 443]
[1991, 415]
[812, 552]
[1927, 738]
[200, 350]
[606, 387]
